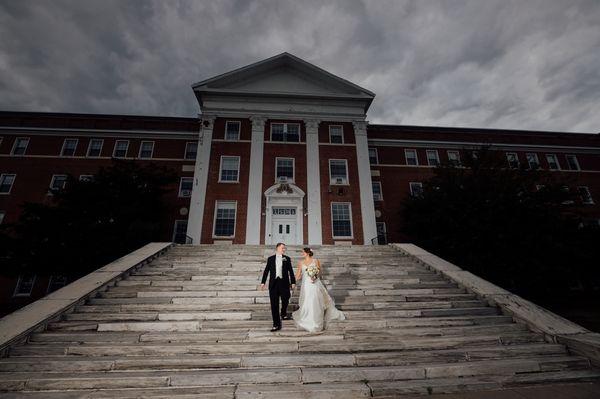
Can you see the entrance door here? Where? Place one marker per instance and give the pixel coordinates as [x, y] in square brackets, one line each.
[283, 225]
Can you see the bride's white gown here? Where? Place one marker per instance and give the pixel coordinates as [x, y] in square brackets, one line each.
[317, 307]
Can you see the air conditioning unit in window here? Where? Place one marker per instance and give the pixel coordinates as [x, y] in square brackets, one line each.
[186, 193]
[339, 180]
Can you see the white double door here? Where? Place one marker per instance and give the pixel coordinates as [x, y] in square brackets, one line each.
[283, 225]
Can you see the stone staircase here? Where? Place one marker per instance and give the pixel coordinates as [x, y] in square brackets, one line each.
[192, 324]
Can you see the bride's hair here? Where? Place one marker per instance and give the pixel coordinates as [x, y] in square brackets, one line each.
[308, 251]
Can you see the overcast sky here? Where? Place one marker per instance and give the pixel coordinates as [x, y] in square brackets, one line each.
[523, 64]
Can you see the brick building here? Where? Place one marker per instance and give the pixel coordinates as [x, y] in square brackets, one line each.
[281, 152]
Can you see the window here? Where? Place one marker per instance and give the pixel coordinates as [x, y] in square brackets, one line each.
[225, 219]
[586, 196]
[191, 150]
[377, 196]
[475, 154]
[433, 158]
[532, 160]
[338, 171]
[20, 146]
[336, 134]
[416, 188]
[185, 186]
[180, 232]
[68, 148]
[121, 147]
[146, 149]
[86, 178]
[24, 285]
[230, 168]
[373, 156]
[285, 132]
[6, 183]
[341, 220]
[411, 157]
[572, 162]
[232, 130]
[513, 159]
[95, 147]
[56, 282]
[58, 182]
[284, 168]
[2, 215]
[454, 158]
[552, 162]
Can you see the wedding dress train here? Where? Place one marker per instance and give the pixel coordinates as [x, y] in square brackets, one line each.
[317, 307]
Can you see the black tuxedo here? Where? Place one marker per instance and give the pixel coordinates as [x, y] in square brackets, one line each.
[279, 287]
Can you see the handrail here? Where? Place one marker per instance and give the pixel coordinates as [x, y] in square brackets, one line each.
[384, 235]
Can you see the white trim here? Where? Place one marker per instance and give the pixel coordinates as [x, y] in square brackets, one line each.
[87, 154]
[177, 221]
[331, 182]
[342, 131]
[537, 160]
[115, 148]
[62, 150]
[516, 158]
[293, 168]
[437, 157]
[575, 159]
[555, 161]
[215, 218]
[186, 150]
[239, 131]
[90, 177]
[181, 179]
[338, 144]
[285, 132]
[142, 145]
[378, 183]
[95, 158]
[53, 180]
[589, 195]
[11, 184]
[376, 156]
[50, 281]
[221, 169]
[17, 294]
[410, 187]
[448, 152]
[351, 236]
[406, 151]
[104, 132]
[287, 200]
[14, 147]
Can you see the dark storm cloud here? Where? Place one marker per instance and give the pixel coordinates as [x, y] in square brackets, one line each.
[504, 64]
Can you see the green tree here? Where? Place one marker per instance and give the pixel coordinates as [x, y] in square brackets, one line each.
[517, 227]
[89, 223]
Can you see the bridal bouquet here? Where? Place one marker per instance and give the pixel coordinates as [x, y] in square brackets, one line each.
[312, 271]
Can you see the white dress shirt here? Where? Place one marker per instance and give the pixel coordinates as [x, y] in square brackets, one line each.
[278, 265]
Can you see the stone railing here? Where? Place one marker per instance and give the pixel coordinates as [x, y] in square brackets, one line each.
[555, 328]
[15, 327]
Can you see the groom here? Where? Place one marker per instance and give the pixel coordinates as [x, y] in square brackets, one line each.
[281, 278]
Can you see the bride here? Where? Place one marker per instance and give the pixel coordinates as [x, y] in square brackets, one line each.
[317, 308]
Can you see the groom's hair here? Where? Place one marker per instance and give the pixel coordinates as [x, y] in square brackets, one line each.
[279, 244]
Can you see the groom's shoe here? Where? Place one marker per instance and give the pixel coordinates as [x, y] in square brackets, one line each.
[286, 317]
[275, 328]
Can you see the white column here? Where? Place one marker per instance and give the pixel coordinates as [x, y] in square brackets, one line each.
[253, 215]
[313, 182]
[196, 214]
[367, 206]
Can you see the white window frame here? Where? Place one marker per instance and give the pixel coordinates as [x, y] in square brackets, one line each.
[86, 177]
[239, 130]
[50, 281]
[590, 200]
[215, 218]
[293, 168]
[62, 150]
[378, 183]
[89, 149]
[376, 155]
[553, 156]
[406, 151]
[351, 236]
[437, 157]
[285, 133]
[448, 152]
[16, 291]
[52, 180]
[181, 179]
[151, 152]
[178, 221]
[575, 159]
[14, 147]
[341, 131]
[410, 187]
[11, 184]
[221, 169]
[331, 182]
[537, 159]
[516, 158]
[186, 150]
[126, 148]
